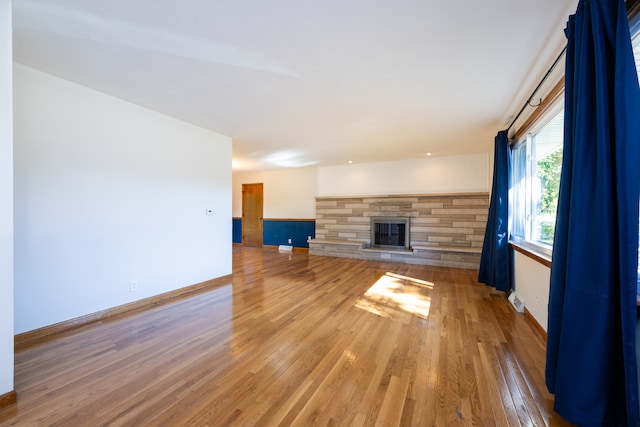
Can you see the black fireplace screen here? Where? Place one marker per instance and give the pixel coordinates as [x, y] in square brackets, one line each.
[389, 233]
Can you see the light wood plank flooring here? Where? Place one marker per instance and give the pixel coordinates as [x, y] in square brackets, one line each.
[298, 340]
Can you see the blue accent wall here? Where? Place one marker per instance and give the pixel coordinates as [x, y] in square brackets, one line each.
[237, 230]
[278, 231]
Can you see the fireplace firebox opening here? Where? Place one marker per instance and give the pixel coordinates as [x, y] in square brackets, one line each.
[391, 233]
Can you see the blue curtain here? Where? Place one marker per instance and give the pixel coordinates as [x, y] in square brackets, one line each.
[495, 263]
[591, 363]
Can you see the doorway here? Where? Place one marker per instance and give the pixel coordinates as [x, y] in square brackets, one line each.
[252, 215]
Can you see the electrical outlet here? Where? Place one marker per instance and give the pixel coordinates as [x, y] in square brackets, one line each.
[289, 241]
[133, 286]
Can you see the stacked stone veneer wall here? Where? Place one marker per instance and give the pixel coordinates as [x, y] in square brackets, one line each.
[445, 229]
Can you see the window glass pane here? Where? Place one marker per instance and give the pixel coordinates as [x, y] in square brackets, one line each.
[537, 162]
[519, 186]
[546, 164]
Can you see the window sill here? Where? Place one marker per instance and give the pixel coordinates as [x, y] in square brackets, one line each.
[532, 253]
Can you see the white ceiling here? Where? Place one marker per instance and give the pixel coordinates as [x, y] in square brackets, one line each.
[307, 82]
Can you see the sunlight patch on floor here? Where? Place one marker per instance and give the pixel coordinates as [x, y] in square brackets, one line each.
[394, 296]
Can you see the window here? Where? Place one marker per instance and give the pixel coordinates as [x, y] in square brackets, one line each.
[537, 162]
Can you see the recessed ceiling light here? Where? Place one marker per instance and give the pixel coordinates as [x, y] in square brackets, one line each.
[350, 161]
[429, 153]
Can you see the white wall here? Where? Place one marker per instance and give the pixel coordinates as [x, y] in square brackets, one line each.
[446, 174]
[532, 286]
[6, 202]
[288, 193]
[107, 192]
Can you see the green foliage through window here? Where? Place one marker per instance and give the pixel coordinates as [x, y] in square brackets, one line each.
[549, 170]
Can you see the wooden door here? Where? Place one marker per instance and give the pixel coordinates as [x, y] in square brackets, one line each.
[252, 215]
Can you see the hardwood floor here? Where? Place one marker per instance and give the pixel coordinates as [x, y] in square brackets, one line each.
[298, 340]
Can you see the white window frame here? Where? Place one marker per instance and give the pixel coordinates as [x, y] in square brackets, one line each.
[526, 241]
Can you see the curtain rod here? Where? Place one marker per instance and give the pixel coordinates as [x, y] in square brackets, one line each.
[528, 101]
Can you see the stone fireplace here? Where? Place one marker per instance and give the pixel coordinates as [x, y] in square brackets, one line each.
[431, 229]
